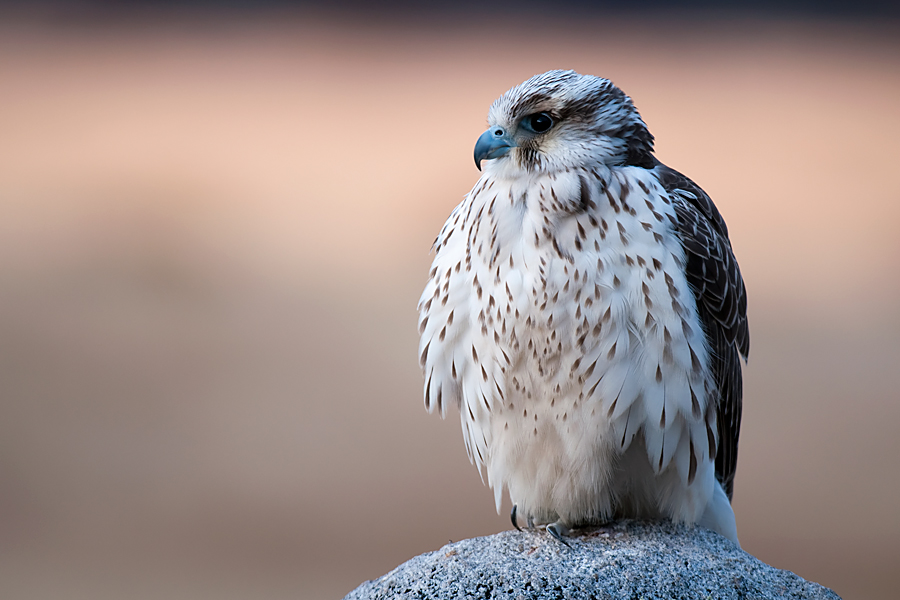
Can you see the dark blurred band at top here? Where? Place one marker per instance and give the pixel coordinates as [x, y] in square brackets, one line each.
[470, 10]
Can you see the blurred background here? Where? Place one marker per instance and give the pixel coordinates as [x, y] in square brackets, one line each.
[215, 224]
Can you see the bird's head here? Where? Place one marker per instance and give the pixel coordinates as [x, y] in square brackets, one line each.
[561, 120]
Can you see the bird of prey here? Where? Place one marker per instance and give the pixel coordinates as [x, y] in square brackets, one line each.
[586, 314]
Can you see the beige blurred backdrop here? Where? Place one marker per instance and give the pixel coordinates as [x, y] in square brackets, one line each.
[213, 235]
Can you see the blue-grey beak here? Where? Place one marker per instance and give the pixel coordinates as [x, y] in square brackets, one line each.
[493, 143]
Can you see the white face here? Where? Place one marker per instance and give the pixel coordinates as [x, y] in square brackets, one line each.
[562, 120]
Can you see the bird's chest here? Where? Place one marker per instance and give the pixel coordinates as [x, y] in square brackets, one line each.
[559, 300]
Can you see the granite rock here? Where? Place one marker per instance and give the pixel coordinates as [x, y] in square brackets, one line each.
[626, 560]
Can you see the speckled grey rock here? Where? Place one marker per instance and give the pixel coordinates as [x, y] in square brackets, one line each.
[627, 560]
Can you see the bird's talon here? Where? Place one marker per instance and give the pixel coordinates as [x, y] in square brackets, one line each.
[558, 531]
[512, 517]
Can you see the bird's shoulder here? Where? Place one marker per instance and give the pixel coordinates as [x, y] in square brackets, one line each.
[711, 267]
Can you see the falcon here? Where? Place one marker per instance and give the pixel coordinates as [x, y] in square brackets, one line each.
[586, 314]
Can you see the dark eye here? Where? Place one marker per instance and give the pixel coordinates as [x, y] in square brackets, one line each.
[538, 122]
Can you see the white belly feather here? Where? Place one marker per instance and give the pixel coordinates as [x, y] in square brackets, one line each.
[559, 320]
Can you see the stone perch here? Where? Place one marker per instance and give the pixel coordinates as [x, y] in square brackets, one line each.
[626, 560]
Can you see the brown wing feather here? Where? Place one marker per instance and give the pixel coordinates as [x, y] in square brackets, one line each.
[715, 279]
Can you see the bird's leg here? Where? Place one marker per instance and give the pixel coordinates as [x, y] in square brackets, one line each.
[558, 530]
[530, 522]
[512, 517]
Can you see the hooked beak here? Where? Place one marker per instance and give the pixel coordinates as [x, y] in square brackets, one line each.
[493, 143]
